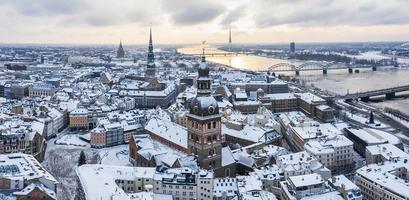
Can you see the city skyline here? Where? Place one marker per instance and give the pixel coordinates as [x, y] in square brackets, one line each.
[189, 22]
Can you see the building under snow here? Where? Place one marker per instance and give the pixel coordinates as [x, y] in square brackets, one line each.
[23, 177]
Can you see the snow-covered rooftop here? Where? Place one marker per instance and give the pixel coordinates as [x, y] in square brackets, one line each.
[384, 175]
[327, 145]
[316, 130]
[162, 126]
[98, 181]
[373, 136]
[310, 98]
[22, 167]
[387, 151]
[306, 180]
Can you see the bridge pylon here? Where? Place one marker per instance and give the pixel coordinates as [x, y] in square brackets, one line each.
[365, 99]
[390, 95]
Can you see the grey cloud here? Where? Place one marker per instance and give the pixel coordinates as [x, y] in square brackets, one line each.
[46, 7]
[264, 13]
[233, 15]
[100, 21]
[192, 12]
[86, 12]
[329, 13]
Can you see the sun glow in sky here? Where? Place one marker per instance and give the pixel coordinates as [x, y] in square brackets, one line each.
[192, 21]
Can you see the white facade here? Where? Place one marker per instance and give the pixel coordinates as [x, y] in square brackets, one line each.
[335, 153]
[384, 181]
[183, 184]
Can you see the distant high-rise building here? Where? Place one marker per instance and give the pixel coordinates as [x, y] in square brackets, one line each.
[42, 59]
[120, 53]
[230, 35]
[150, 68]
[292, 47]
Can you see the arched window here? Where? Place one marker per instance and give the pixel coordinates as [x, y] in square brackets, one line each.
[210, 152]
[209, 139]
[214, 124]
[227, 172]
[209, 125]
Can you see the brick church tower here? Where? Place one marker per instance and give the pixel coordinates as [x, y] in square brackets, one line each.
[204, 123]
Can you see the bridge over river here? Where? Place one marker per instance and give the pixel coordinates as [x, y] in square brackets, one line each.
[318, 66]
[388, 92]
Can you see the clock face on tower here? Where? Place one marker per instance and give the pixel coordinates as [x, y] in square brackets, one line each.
[195, 109]
[211, 110]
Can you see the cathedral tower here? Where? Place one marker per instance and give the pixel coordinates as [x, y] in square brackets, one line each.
[204, 123]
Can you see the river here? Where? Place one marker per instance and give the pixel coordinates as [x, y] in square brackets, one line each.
[336, 81]
[244, 62]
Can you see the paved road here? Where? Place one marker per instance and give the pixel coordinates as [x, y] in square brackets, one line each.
[378, 114]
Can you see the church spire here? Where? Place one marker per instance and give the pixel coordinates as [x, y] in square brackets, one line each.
[150, 35]
[120, 52]
[150, 70]
[150, 46]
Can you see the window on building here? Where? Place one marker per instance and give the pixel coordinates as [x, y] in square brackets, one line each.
[227, 172]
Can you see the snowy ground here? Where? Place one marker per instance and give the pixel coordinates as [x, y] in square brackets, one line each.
[403, 122]
[117, 155]
[364, 120]
[61, 161]
[73, 140]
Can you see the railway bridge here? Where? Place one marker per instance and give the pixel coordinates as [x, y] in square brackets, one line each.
[388, 92]
[320, 66]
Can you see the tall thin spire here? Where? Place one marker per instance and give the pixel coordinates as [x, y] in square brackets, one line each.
[150, 46]
[150, 71]
[230, 34]
[150, 35]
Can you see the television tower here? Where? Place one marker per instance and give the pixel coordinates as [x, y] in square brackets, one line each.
[229, 34]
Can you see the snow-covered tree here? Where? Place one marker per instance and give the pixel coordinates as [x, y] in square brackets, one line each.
[82, 159]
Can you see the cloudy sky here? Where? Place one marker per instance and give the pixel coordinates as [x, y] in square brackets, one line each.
[192, 21]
